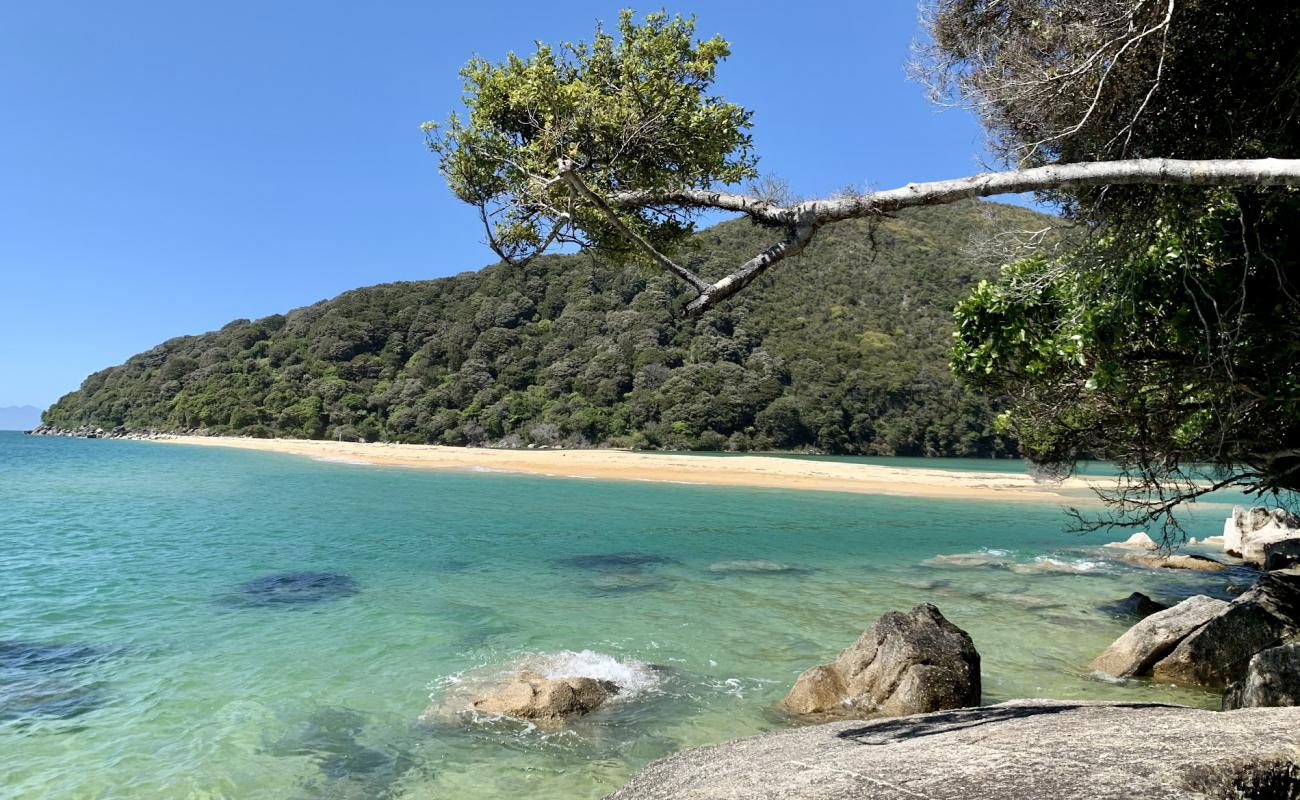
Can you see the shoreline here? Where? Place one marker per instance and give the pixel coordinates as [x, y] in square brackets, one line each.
[753, 471]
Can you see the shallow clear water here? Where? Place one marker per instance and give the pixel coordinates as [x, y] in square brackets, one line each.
[145, 652]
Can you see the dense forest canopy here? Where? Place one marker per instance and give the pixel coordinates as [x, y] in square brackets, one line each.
[574, 350]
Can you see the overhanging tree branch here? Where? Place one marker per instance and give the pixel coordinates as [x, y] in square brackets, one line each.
[802, 221]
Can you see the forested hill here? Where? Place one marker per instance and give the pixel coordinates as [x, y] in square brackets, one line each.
[843, 350]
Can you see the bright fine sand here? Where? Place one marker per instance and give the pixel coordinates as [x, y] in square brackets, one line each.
[757, 471]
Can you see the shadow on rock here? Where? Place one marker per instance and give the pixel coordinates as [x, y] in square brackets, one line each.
[890, 731]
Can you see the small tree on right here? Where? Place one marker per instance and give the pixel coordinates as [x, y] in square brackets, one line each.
[1169, 340]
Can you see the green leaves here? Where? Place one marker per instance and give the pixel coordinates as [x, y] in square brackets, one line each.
[632, 111]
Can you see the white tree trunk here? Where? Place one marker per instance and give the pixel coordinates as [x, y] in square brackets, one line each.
[803, 220]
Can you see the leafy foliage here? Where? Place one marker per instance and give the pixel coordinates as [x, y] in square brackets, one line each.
[842, 351]
[1186, 352]
[1168, 341]
[628, 112]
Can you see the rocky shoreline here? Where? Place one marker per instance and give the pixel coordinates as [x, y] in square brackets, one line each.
[92, 432]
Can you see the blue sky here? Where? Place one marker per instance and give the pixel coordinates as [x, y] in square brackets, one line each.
[167, 167]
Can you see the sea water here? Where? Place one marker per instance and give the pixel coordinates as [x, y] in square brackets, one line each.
[194, 622]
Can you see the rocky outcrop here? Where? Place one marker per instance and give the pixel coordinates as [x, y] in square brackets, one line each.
[1219, 652]
[903, 664]
[1249, 532]
[536, 697]
[1273, 679]
[1138, 541]
[1026, 749]
[1153, 638]
[93, 432]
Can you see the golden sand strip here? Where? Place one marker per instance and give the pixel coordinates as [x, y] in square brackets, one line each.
[754, 471]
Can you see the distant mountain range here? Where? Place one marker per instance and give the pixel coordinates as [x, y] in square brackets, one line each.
[842, 350]
[19, 418]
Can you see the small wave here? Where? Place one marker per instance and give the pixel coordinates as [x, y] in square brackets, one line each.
[1049, 564]
[342, 460]
[998, 559]
[634, 678]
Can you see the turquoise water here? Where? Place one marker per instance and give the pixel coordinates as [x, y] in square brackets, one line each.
[145, 653]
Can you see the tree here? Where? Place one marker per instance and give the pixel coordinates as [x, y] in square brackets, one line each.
[1139, 117]
[1168, 342]
[618, 145]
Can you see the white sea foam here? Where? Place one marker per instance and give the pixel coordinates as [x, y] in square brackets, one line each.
[633, 677]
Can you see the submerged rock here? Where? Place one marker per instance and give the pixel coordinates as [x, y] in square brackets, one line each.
[1027, 749]
[1151, 639]
[297, 588]
[627, 582]
[1272, 679]
[626, 561]
[1175, 561]
[902, 664]
[995, 559]
[757, 567]
[1136, 605]
[537, 697]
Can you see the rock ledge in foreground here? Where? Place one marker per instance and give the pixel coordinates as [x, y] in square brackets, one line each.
[1023, 749]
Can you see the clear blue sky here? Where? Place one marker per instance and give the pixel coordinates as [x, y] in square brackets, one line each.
[167, 167]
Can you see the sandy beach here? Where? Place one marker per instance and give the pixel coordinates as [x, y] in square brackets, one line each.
[755, 471]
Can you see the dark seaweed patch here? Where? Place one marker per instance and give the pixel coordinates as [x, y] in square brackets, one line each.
[296, 588]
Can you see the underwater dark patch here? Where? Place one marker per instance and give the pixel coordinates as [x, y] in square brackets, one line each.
[626, 561]
[35, 699]
[45, 680]
[46, 656]
[296, 588]
[330, 737]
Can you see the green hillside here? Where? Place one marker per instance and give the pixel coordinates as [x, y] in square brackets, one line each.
[843, 349]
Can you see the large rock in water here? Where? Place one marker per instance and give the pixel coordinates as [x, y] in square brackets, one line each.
[533, 696]
[1154, 637]
[903, 664]
[1219, 652]
[1273, 679]
[1028, 749]
[1249, 533]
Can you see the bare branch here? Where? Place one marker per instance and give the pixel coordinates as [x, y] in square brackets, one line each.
[793, 244]
[580, 186]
